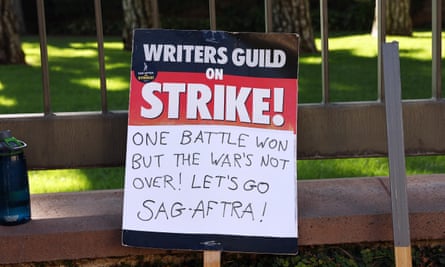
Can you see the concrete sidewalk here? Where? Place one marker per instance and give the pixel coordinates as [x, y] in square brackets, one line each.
[354, 210]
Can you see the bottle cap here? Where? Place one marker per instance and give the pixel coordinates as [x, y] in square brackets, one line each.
[10, 143]
[5, 134]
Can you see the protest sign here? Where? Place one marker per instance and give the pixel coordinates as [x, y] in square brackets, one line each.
[211, 144]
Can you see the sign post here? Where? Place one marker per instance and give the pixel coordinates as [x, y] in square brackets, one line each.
[396, 155]
[211, 142]
[212, 258]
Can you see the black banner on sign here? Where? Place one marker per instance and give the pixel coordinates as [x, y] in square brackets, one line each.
[211, 142]
[242, 54]
[272, 245]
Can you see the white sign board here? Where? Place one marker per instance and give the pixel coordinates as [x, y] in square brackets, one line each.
[211, 145]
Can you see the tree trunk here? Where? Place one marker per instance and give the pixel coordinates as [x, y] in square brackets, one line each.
[294, 16]
[10, 45]
[138, 14]
[397, 16]
[17, 6]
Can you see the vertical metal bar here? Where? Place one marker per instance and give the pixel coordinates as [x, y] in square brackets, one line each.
[324, 51]
[381, 39]
[155, 14]
[101, 56]
[268, 16]
[212, 14]
[44, 57]
[436, 49]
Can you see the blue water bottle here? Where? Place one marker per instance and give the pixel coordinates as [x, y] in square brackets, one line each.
[14, 187]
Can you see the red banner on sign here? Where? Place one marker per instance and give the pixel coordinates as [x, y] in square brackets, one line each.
[192, 98]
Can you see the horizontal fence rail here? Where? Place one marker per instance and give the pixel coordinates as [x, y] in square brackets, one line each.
[325, 130]
[91, 139]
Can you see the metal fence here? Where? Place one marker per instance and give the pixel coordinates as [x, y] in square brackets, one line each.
[325, 130]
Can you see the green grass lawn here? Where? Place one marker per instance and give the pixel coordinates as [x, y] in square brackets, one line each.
[74, 82]
[48, 181]
[74, 76]
[74, 86]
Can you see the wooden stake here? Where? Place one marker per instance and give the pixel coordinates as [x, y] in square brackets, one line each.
[212, 258]
[396, 154]
[403, 256]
